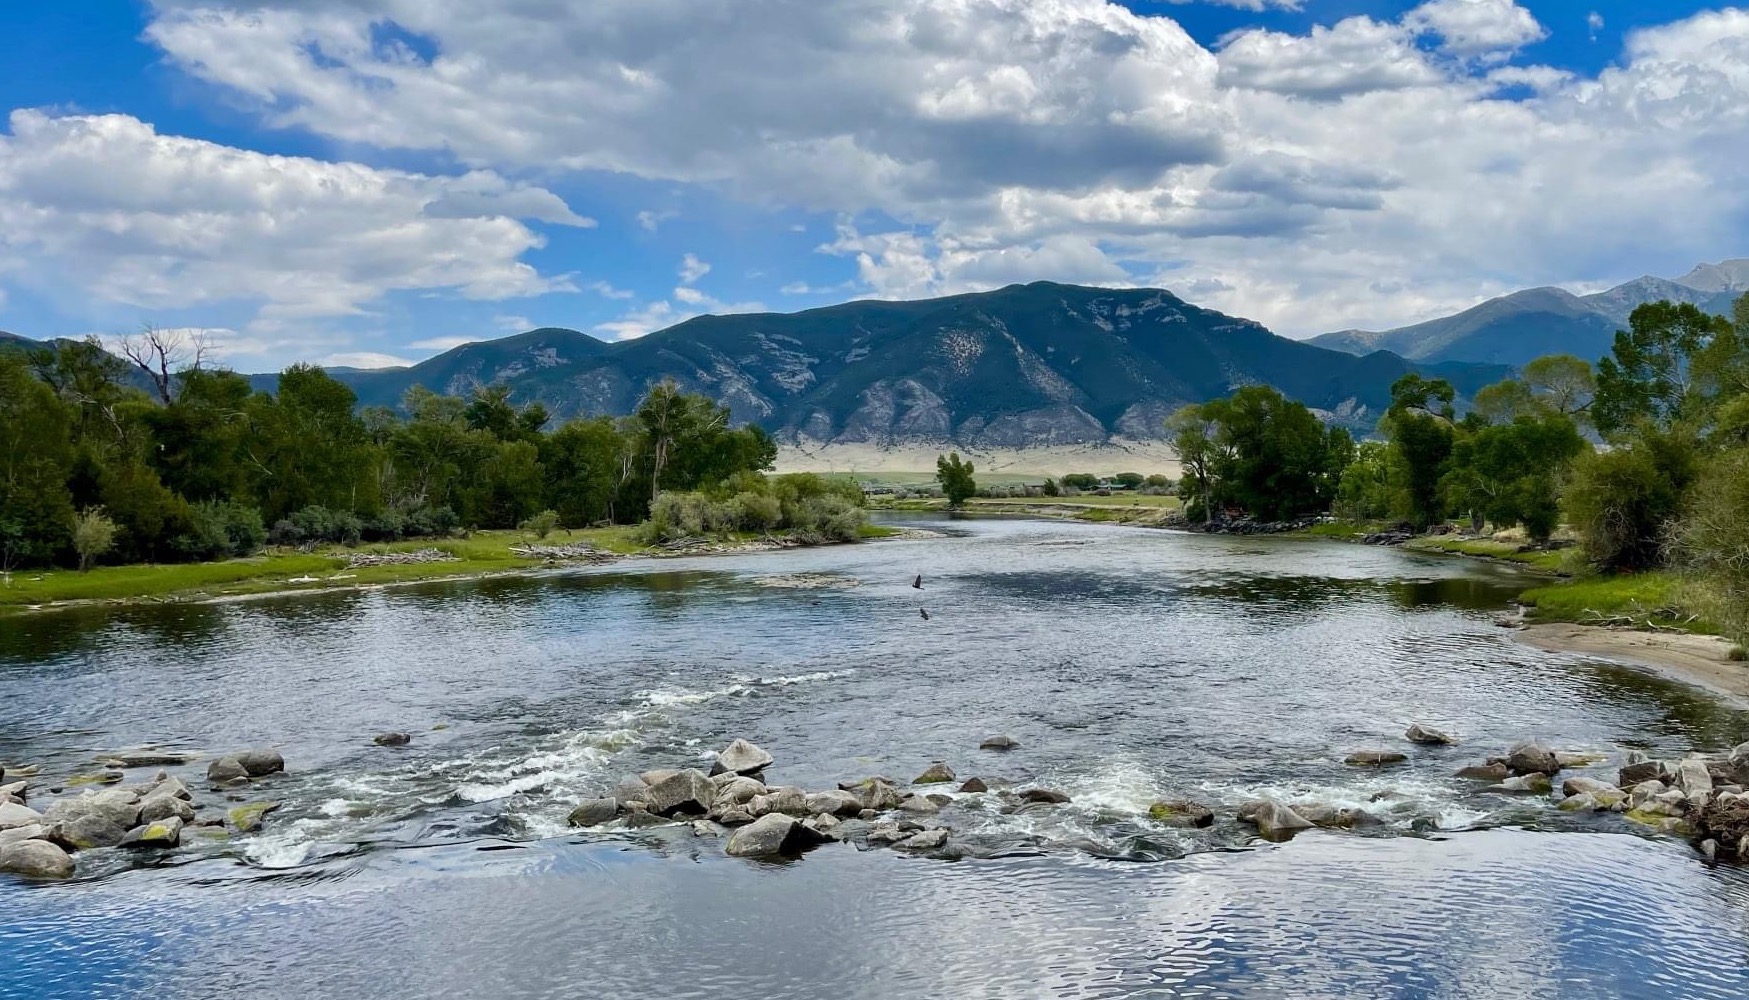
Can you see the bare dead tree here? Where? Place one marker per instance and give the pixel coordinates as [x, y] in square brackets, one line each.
[163, 354]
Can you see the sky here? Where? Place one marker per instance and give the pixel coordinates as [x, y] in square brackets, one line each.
[371, 182]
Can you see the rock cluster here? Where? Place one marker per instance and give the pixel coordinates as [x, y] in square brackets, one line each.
[150, 816]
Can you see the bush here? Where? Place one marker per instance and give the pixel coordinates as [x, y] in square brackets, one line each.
[316, 524]
[541, 525]
[93, 536]
[222, 529]
[758, 511]
[1620, 503]
[1713, 543]
[432, 522]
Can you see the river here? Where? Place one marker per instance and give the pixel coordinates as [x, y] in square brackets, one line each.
[1131, 665]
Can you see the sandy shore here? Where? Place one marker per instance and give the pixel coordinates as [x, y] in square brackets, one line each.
[1693, 659]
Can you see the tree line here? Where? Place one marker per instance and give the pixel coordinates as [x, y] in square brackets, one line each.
[160, 457]
[1644, 455]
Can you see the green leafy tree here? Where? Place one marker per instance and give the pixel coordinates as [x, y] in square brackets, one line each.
[1420, 428]
[1624, 501]
[93, 536]
[1649, 375]
[955, 477]
[1713, 543]
[1508, 474]
[1203, 451]
[36, 508]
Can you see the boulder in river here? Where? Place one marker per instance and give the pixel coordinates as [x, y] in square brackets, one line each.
[35, 859]
[392, 739]
[785, 799]
[630, 790]
[1534, 783]
[936, 774]
[1182, 812]
[1273, 820]
[1428, 736]
[1485, 772]
[1531, 758]
[687, 791]
[1580, 785]
[999, 743]
[767, 836]
[593, 812]
[739, 790]
[1374, 758]
[17, 791]
[1639, 772]
[162, 805]
[925, 840]
[249, 817]
[741, 757]
[227, 771]
[145, 758]
[1336, 817]
[12, 814]
[260, 763]
[974, 785]
[1046, 795]
[162, 834]
[1691, 775]
[833, 803]
[876, 793]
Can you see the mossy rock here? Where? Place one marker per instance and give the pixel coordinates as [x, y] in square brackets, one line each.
[100, 778]
[248, 818]
[1674, 825]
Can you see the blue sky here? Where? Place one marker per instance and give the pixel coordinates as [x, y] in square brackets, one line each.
[375, 180]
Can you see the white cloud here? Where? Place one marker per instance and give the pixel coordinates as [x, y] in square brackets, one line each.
[1488, 29]
[651, 220]
[692, 269]
[364, 359]
[512, 324]
[104, 206]
[1594, 21]
[441, 344]
[1367, 171]
[607, 291]
[1255, 5]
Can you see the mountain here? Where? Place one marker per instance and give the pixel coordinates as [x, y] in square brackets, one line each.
[14, 340]
[1021, 366]
[1516, 328]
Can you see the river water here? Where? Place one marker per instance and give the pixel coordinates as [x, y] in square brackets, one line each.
[1131, 665]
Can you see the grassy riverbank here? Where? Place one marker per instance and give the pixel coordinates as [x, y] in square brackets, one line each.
[1134, 509]
[483, 553]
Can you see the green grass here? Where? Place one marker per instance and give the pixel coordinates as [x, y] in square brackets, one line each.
[1548, 562]
[1638, 598]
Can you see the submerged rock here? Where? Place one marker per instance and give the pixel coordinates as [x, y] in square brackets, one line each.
[1531, 758]
[974, 785]
[1336, 817]
[1485, 772]
[392, 739]
[927, 840]
[1535, 783]
[164, 833]
[260, 763]
[936, 774]
[35, 859]
[145, 758]
[593, 812]
[227, 771]
[686, 791]
[741, 757]
[249, 818]
[999, 743]
[1182, 812]
[1374, 758]
[1427, 736]
[1272, 819]
[1045, 795]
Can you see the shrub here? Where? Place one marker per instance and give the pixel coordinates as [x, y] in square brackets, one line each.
[432, 522]
[541, 525]
[1620, 503]
[93, 536]
[317, 524]
[222, 529]
[758, 511]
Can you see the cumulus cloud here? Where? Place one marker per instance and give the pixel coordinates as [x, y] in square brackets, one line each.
[692, 269]
[106, 206]
[1367, 171]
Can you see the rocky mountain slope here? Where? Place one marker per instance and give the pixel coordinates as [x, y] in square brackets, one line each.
[1024, 366]
[1516, 328]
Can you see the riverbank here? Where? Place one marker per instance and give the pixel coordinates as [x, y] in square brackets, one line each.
[1135, 510]
[1700, 660]
[480, 555]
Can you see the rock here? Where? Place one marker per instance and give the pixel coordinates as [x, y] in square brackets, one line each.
[1576, 758]
[1726, 822]
[1645, 793]
[921, 805]
[1374, 758]
[741, 757]
[100, 778]
[249, 818]
[877, 794]
[1427, 736]
[259, 763]
[825, 824]
[593, 812]
[1531, 758]
[686, 791]
[1182, 812]
[893, 832]
[162, 806]
[657, 776]
[1485, 772]
[928, 840]
[630, 790]
[766, 836]
[35, 859]
[226, 771]
[705, 828]
[1336, 817]
[16, 791]
[392, 739]
[165, 784]
[999, 743]
[732, 816]
[974, 785]
[1535, 783]
[13, 814]
[1582, 786]
[1045, 795]
[785, 799]
[35, 831]
[1579, 803]
[1272, 819]
[739, 790]
[833, 803]
[1638, 772]
[145, 758]
[638, 819]
[162, 834]
[937, 773]
[1691, 775]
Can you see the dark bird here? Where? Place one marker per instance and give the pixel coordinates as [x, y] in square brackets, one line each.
[924, 613]
[918, 583]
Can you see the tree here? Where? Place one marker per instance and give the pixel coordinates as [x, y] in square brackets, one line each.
[36, 457]
[1419, 425]
[1507, 473]
[956, 479]
[1194, 431]
[1562, 382]
[93, 536]
[580, 467]
[541, 525]
[1649, 373]
[1713, 543]
[163, 354]
[1623, 501]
